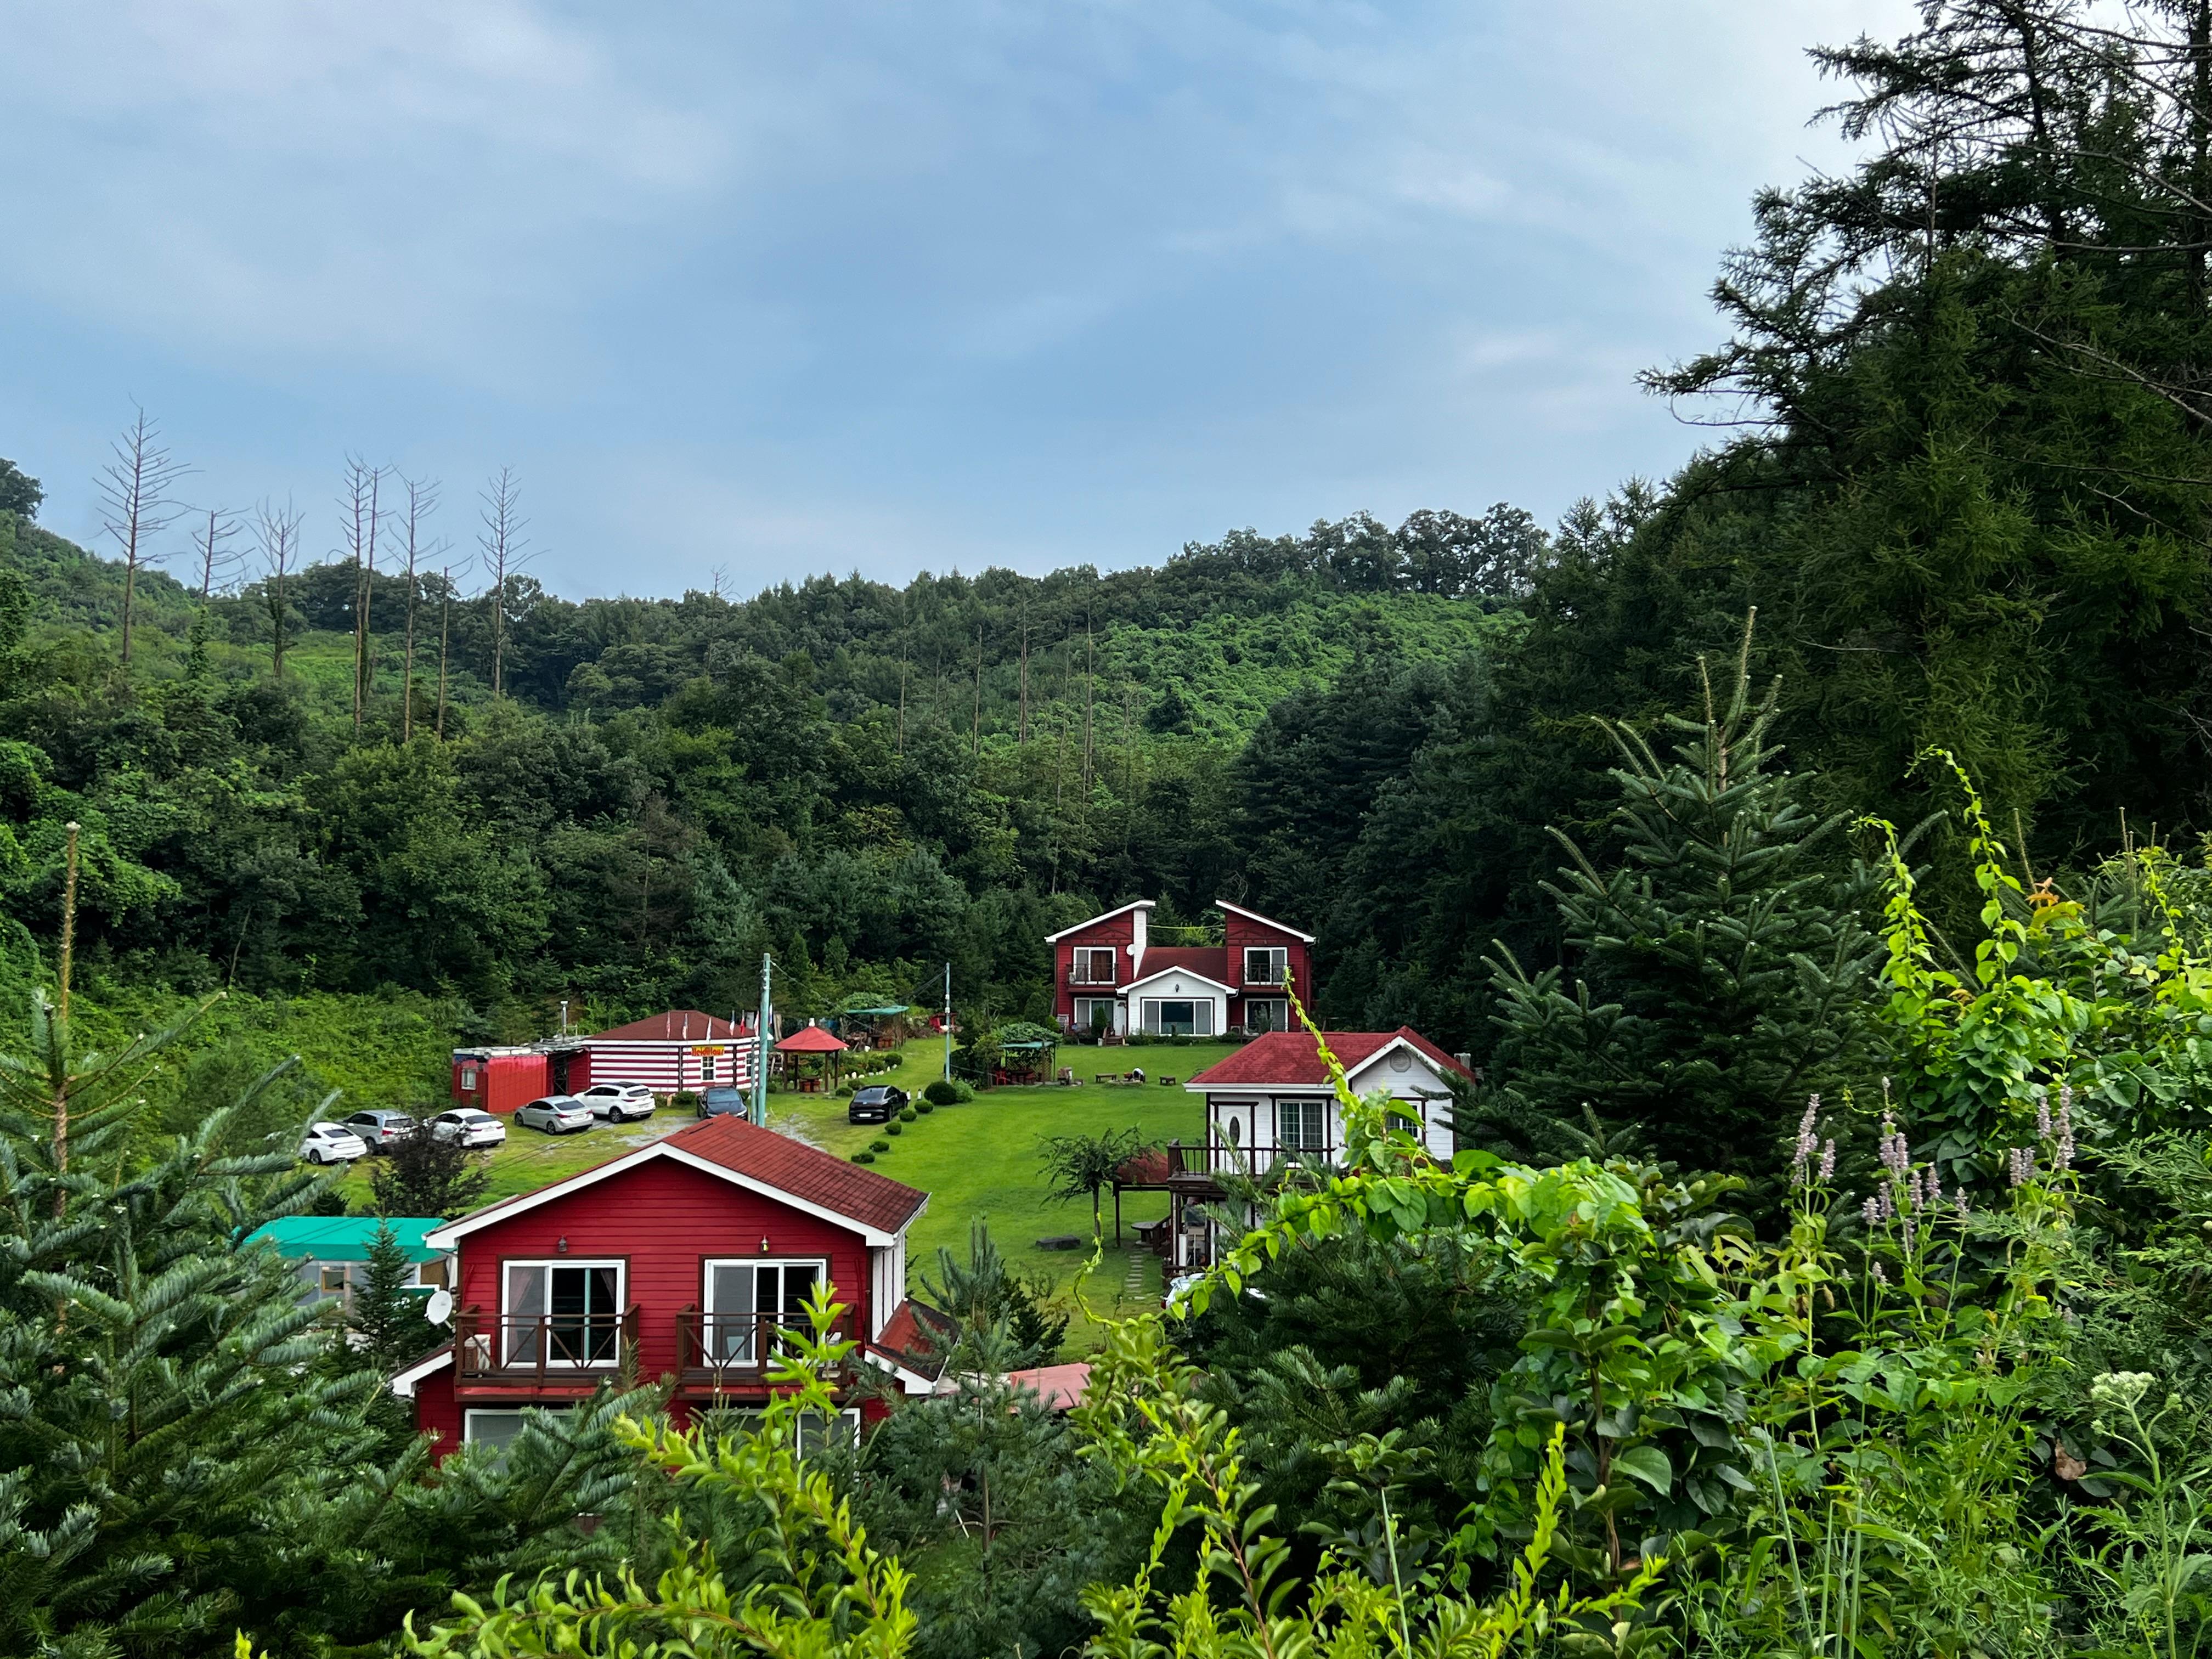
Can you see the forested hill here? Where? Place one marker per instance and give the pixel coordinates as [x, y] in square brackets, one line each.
[865, 779]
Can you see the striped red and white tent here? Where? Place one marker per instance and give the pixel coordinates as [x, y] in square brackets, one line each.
[682, 1049]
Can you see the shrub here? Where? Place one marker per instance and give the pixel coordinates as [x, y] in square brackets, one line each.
[684, 1098]
[895, 1127]
[848, 1086]
[864, 1156]
[944, 1092]
[906, 1114]
[879, 1146]
[924, 1107]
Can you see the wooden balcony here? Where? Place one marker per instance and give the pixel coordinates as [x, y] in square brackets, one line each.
[719, 1352]
[1202, 1165]
[542, 1351]
[1080, 980]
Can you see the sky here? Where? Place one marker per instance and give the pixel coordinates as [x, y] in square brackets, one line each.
[746, 293]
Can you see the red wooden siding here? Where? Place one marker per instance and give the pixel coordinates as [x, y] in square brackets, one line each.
[664, 1221]
[436, 1410]
[1118, 932]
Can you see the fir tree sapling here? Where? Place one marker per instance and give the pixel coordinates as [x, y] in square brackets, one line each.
[387, 1313]
[420, 1174]
[1720, 971]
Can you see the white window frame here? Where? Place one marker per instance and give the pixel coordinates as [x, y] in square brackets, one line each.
[1150, 1021]
[345, 1272]
[1278, 1012]
[470, 1415]
[1086, 1010]
[1276, 954]
[1082, 968]
[750, 1361]
[1302, 1107]
[468, 1080]
[507, 1314]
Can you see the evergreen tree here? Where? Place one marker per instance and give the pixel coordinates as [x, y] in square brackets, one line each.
[387, 1315]
[994, 1305]
[1719, 968]
[420, 1174]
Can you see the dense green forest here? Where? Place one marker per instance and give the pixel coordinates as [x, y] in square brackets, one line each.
[1812, 843]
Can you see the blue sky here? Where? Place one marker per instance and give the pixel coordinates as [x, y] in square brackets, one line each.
[779, 289]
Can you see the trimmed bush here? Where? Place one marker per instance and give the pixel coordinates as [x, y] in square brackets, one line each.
[864, 1157]
[894, 1128]
[879, 1146]
[924, 1107]
[684, 1098]
[906, 1114]
[943, 1093]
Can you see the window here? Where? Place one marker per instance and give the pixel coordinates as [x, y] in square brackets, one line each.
[1094, 965]
[334, 1278]
[497, 1427]
[468, 1080]
[1302, 1125]
[747, 1300]
[1267, 1014]
[1175, 1017]
[567, 1314]
[706, 1068]
[1093, 1012]
[1266, 964]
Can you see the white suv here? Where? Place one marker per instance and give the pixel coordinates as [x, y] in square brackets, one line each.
[618, 1102]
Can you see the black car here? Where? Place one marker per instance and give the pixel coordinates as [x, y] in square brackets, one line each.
[724, 1102]
[876, 1104]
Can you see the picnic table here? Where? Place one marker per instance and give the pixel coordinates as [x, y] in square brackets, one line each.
[1131, 1080]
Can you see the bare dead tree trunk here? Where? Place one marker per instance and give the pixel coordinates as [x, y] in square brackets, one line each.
[360, 506]
[134, 492]
[445, 635]
[505, 553]
[277, 531]
[422, 502]
[214, 557]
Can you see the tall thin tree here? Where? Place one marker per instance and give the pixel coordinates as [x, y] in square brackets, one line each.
[210, 552]
[444, 637]
[422, 502]
[505, 551]
[276, 531]
[360, 507]
[135, 504]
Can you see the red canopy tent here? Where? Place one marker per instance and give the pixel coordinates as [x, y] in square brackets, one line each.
[810, 1040]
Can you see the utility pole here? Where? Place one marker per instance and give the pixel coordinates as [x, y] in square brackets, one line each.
[760, 1040]
[948, 1022]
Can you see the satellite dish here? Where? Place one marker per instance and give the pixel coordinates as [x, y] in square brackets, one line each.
[439, 1308]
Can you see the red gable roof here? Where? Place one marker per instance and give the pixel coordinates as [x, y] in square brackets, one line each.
[676, 1025]
[1292, 1058]
[803, 1171]
[760, 1156]
[810, 1039]
[1210, 960]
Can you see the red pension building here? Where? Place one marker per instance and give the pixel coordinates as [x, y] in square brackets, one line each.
[1109, 971]
[683, 1261]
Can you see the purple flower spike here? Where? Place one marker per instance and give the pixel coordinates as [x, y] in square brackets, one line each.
[1828, 1162]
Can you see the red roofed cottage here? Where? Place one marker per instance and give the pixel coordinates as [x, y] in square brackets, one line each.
[1109, 972]
[681, 1260]
[1272, 1100]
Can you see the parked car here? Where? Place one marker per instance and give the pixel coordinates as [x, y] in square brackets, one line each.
[468, 1126]
[331, 1143]
[619, 1103]
[557, 1114]
[381, 1127]
[724, 1102]
[879, 1102]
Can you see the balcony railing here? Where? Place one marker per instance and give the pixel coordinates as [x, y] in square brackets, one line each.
[736, 1347]
[542, 1348]
[1220, 1156]
[1081, 979]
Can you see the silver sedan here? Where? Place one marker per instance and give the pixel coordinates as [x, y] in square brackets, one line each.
[557, 1115]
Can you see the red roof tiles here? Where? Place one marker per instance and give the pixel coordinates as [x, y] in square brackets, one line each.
[805, 1172]
[1210, 960]
[676, 1025]
[1292, 1058]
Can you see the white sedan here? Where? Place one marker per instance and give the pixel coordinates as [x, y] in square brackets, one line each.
[557, 1114]
[468, 1126]
[331, 1143]
[619, 1103]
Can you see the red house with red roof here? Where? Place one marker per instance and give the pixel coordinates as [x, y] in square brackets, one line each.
[1272, 1100]
[1109, 972]
[681, 1260]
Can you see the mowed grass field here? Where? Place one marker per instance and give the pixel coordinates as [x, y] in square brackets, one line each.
[979, 1158]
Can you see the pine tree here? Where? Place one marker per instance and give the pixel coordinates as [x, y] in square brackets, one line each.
[420, 1174]
[387, 1315]
[1719, 966]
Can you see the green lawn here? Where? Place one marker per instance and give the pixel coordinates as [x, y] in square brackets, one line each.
[978, 1158]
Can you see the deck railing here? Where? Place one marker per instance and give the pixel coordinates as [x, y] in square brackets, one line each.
[739, 1347]
[541, 1347]
[1219, 1156]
